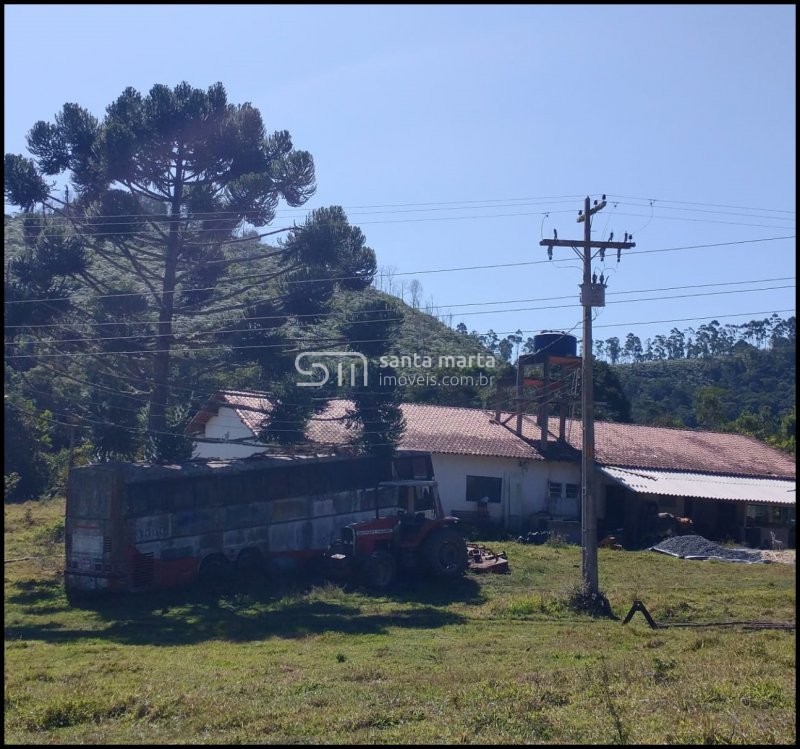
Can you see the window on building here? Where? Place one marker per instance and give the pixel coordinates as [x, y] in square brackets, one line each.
[557, 490]
[479, 487]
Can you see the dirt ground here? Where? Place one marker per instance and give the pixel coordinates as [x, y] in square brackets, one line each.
[786, 556]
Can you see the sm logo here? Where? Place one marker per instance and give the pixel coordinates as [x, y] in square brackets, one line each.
[311, 359]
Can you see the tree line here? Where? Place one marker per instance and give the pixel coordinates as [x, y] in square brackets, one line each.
[708, 340]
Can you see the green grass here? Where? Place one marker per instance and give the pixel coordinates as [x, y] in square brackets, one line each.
[495, 659]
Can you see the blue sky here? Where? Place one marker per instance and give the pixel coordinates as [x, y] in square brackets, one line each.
[460, 135]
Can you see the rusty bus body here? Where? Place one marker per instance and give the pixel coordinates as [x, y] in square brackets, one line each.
[132, 527]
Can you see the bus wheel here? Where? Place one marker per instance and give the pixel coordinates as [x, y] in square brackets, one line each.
[214, 573]
[249, 564]
[380, 570]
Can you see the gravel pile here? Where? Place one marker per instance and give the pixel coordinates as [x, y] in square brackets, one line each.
[697, 547]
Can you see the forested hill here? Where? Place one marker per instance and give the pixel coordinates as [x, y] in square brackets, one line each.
[417, 333]
[751, 391]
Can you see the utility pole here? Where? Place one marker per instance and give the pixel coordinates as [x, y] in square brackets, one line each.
[592, 295]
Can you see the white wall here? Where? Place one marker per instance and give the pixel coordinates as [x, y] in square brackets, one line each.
[525, 484]
[225, 425]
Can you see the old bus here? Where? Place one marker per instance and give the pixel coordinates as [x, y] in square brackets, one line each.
[135, 526]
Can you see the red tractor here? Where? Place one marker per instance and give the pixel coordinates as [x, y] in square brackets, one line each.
[409, 531]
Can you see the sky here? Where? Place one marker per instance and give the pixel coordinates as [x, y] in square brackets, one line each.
[458, 136]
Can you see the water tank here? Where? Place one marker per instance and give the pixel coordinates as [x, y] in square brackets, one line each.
[552, 343]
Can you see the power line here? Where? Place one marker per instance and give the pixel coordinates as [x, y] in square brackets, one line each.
[695, 319]
[701, 210]
[343, 318]
[454, 204]
[425, 310]
[292, 343]
[713, 205]
[110, 220]
[407, 273]
[174, 388]
[212, 230]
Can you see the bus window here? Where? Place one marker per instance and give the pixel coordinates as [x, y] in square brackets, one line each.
[257, 486]
[204, 491]
[279, 485]
[298, 482]
[233, 489]
[156, 494]
[388, 496]
[182, 496]
[239, 516]
[137, 505]
[395, 499]
[317, 480]
[337, 477]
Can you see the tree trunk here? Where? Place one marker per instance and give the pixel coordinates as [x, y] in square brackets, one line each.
[157, 421]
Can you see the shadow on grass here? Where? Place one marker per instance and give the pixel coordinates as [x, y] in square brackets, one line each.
[246, 612]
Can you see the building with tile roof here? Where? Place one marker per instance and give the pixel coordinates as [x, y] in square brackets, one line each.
[730, 485]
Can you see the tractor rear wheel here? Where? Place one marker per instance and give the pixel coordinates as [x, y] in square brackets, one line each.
[445, 552]
[380, 570]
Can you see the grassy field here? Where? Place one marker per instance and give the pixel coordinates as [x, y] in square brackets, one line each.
[495, 659]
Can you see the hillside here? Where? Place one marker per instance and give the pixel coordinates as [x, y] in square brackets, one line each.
[419, 333]
[751, 380]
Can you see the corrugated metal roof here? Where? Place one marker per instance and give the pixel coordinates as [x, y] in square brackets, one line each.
[702, 485]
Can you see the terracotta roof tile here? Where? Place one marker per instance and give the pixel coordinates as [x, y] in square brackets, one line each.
[442, 429]
[463, 431]
[472, 431]
[638, 446]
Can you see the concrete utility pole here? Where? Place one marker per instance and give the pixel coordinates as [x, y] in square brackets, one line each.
[592, 295]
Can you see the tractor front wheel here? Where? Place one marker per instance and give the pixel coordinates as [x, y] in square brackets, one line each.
[380, 570]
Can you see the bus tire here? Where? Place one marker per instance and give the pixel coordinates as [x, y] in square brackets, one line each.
[380, 570]
[445, 553]
[215, 573]
[249, 564]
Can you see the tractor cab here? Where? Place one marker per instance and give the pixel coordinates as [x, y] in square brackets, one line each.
[407, 499]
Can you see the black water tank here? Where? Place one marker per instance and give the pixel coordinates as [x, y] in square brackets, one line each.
[552, 343]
